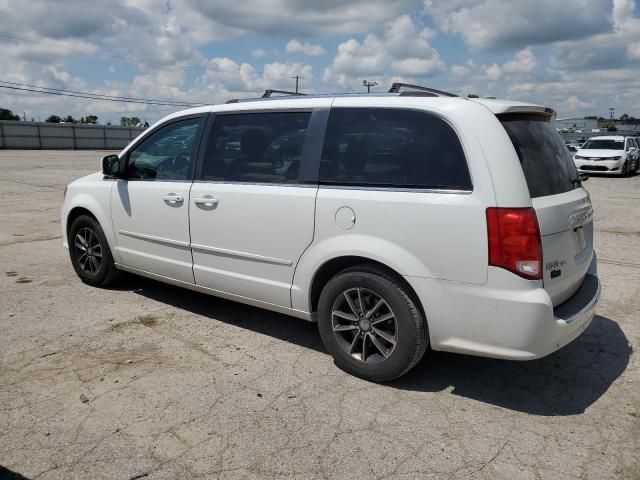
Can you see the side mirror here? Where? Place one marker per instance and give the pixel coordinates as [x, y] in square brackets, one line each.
[583, 177]
[111, 166]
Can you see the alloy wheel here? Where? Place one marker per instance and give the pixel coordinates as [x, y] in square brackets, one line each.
[364, 325]
[88, 251]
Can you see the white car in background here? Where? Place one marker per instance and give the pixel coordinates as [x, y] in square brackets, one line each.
[612, 155]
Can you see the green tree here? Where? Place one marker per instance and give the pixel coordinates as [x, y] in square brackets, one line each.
[8, 115]
[53, 119]
[129, 121]
[473, 95]
[611, 128]
[89, 119]
[69, 119]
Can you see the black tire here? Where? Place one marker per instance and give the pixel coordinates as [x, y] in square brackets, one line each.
[92, 269]
[411, 333]
[625, 170]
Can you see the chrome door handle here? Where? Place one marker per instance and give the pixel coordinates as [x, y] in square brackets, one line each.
[173, 198]
[207, 201]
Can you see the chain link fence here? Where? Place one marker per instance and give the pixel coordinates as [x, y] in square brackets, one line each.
[64, 136]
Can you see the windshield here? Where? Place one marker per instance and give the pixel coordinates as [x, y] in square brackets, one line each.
[603, 144]
[546, 162]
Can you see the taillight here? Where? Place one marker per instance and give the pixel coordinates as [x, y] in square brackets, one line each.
[514, 241]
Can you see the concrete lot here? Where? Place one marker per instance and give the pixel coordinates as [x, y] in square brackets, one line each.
[150, 381]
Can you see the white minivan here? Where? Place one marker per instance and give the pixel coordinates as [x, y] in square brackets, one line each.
[396, 221]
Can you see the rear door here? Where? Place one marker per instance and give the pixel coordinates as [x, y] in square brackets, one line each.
[563, 207]
[251, 211]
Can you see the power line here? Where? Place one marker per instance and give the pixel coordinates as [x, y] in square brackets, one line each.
[106, 97]
[89, 96]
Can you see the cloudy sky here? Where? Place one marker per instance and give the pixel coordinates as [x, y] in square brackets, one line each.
[578, 56]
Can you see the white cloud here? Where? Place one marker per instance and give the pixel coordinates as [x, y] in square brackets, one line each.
[402, 49]
[523, 62]
[416, 67]
[591, 58]
[487, 24]
[493, 72]
[573, 103]
[300, 18]
[355, 58]
[295, 46]
[243, 79]
[460, 71]
[617, 47]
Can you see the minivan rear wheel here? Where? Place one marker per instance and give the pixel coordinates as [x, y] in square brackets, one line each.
[90, 254]
[370, 324]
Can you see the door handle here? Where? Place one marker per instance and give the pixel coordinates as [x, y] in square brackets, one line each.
[172, 198]
[207, 201]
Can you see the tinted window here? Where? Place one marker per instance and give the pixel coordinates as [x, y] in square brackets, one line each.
[256, 147]
[394, 148]
[166, 154]
[603, 144]
[546, 162]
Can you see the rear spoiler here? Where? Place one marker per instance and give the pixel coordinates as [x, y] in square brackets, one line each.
[498, 107]
[549, 113]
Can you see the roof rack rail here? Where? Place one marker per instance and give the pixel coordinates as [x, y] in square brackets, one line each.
[395, 88]
[267, 93]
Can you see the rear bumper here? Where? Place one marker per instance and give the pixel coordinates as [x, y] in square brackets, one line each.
[505, 318]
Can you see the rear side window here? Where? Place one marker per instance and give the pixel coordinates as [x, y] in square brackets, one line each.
[392, 148]
[256, 147]
[546, 162]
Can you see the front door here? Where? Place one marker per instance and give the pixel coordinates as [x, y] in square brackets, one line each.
[150, 206]
[251, 216]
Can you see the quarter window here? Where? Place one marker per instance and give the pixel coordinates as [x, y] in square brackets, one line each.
[165, 154]
[256, 147]
[392, 148]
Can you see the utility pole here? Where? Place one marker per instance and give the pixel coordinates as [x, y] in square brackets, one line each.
[24, 116]
[611, 113]
[369, 85]
[296, 77]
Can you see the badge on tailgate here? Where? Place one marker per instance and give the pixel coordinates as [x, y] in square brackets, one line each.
[580, 217]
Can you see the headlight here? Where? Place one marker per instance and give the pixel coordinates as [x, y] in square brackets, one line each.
[616, 158]
[578, 157]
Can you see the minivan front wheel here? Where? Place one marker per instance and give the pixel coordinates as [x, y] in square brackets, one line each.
[370, 324]
[625, 170]
[90, 254]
